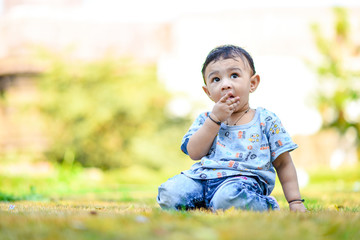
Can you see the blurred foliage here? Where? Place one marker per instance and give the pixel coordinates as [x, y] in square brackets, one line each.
[338, 94]
[32, 196]
[107, 114]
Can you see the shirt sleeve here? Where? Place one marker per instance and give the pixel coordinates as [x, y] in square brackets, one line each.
[199, 121]
[279, 139]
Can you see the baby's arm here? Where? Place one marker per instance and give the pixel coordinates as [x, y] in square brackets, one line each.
[201, 141]
[289, 182]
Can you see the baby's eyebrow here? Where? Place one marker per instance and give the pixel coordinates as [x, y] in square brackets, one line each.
[236, 68]
[212, 73]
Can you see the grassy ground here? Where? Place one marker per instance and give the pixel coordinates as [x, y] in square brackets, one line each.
[111, 210]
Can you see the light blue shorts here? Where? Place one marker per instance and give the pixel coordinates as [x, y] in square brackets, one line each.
[183, 193]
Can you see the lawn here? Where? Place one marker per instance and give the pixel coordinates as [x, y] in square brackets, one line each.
[111, 210]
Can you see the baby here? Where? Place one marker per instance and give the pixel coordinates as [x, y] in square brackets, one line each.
[239, 148]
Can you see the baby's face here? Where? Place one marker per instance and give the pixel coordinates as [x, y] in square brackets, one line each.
[228, 75]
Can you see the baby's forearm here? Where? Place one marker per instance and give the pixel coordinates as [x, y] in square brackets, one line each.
[200, 142]
[290, 184]
[287, 175]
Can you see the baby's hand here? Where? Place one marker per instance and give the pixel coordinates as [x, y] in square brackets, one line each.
[225, 106]
[297, 207]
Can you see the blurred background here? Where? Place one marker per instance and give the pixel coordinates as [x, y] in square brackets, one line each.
[98, 93]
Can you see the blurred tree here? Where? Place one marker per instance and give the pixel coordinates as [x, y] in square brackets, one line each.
[107, 114]
[338, 94]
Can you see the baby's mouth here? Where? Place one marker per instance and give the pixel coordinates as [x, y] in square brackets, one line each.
[231, 96]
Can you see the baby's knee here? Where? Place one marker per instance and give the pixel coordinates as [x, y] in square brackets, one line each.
[167, 197]
[178, 193]
[238, 197]
[228, 197]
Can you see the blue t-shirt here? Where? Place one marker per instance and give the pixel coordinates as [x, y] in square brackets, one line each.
[247, 150]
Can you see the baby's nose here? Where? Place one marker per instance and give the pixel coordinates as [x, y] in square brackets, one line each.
[226, 84]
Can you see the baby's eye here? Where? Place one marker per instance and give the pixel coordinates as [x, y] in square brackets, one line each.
[216, 79]
[234, 75]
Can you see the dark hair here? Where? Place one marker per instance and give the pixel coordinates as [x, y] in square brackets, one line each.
[225, 52]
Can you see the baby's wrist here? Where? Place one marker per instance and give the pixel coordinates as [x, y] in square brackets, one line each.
[296, 201]
[214, 118]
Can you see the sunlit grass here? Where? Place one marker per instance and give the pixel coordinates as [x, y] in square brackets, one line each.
[71, 206]
[117, 220]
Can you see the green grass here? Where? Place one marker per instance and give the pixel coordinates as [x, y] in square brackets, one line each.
[117, 220]
[74, 207]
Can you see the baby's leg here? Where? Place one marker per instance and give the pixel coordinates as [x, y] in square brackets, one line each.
[181, 193]
[242, 195]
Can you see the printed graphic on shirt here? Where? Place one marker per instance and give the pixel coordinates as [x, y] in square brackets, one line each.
[278, 143]
[221, 174]
[241, 134]
[254, 138]
[264, 146]
[227, 134]
[231, 163]
[268, 118]
[274, 129]
[221, 145]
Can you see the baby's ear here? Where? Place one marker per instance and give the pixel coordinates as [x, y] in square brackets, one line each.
[254, 82]
[206, 90]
